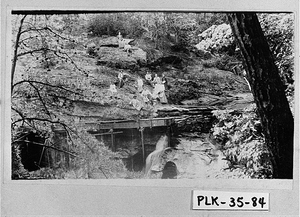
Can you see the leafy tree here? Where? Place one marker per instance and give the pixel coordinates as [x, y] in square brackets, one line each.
[42, 47]
[182, 26]
[110, 24]
[159, 27]
[46, 79]
[104, 24]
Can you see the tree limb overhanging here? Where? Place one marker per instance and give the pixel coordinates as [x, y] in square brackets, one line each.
[46, 146]
[42, 100]
[46, 84]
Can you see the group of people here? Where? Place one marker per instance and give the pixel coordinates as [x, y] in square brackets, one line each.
[159, 87]
[146, 98]
[156, 80]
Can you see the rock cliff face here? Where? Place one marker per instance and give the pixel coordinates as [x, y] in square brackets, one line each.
[119, 58]
[134, 55]
[108, 52]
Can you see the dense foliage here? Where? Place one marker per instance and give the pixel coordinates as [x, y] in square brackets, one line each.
[47, 49]
[184, 91]
[216, 38]
[278, 30]
[111, 24]
[240, 135]
[181, 29]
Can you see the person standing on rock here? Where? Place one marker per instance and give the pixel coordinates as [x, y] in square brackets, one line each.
[161, 93]
[120, 79]
[164, 81]
[140, 84]
[156, 80]
[112, 90]
[159, 90]
[120, 40]
[148, 78]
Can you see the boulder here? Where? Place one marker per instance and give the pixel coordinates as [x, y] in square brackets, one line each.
[119, 58]
[167, 59]
[153, 55]
[108, 42]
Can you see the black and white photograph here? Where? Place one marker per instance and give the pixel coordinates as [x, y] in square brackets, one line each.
[149, 108]
[152, 95]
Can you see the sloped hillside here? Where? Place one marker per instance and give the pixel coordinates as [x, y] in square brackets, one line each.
[190, 81]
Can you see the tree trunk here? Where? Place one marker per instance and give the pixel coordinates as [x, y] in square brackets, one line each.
[268, 91]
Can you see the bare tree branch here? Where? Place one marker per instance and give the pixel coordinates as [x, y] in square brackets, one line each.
[14, 62]
[28, 38]
[29, 119]
[33, 29]
[31, 52]
[41, 99]
[43, 83]
[46, 146]
[55, 33]
[55, 52]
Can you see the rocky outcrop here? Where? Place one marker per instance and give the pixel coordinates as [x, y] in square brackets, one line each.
[130, 55]
[171, 59]
[108, 52]
[106, 41]
[119, 58]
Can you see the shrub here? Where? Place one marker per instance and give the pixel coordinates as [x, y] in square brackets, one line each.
[112, 23]
[239, 134]
[279, 31]
[91, 51]
[92, 160]
[224, 62]
[183, 90]
[18, 170]
[211, 63]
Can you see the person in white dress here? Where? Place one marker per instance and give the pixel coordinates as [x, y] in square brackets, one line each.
[140, 84]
